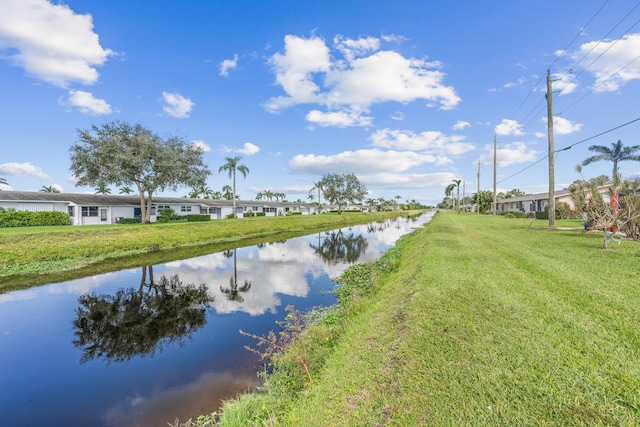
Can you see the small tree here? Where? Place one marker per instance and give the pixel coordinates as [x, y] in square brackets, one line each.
[342, 189]
[121, 154]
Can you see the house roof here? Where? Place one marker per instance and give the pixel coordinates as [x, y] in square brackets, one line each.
[537, 196]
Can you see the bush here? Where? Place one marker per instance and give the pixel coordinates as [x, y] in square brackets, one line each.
[230, 216]
[514, 214]
[167, 214]
[13, 218]
[130, 221]
[260, 214]
[198, 217]
[291, 213]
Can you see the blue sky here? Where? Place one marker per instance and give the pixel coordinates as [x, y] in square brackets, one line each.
[408, 95]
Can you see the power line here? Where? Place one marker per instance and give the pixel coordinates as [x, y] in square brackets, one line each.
[565, 149]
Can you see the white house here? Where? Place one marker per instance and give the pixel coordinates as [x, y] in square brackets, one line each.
[84, 209]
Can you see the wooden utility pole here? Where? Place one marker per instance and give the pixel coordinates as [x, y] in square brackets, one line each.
[478, 193]
[495, 164]
[552, 195]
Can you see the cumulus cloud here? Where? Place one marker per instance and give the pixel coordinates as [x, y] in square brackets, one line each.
[434, 142]
[349, 80]
[339, 119]
[613, 63]
[517, 152]
[201, 145]
[509, 127]
[562, 126]
[86, 103]
[461, 124]
[362, 162]
[228, 64]
[51, 42]
[248, 149]
[564, 84]
[177, 105]
[408, 180]
[22, 169]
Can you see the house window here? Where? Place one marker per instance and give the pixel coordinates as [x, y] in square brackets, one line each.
[89, 211]
[71, 210]
[185, 208]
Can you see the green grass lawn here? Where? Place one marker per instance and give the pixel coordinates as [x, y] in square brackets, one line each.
[471, 321]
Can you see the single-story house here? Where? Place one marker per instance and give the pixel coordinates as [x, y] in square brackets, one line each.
[85, 209]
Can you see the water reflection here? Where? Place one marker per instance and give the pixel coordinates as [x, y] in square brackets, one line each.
[177, 349]
[233, 291]
[139, 322]
[338, 247]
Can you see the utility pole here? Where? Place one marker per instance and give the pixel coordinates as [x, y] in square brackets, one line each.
[495, 164]
[464, 186]
[478, 193]
[552, 195]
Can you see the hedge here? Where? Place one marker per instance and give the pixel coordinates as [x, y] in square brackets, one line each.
[198, 217]
[13, 218]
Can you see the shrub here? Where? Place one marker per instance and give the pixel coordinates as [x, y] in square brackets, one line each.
[260, 214]
[514, 214]
[291, 213]
[130, 221]
[198, 217]
[13, 218]
[167, 214]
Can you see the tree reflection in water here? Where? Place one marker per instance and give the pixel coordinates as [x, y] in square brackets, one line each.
[340, 247]
[139, 322]
[233, 291]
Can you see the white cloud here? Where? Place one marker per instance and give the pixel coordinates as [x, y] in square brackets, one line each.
[5, 187]
[564, 84]
[362, 161]
[613, 63]
[339, 118]
[86, 103]
[201, 145]
[177, 105]
[51, 42]
[461, 124]
[295, 68]
[506, 155]
[434, 142]
[562, 126]
[400, 181]
[58, 187]
[228, 64]
[309, 74]
[248, 149]
[397, 116]
[509, 127]
[22, 169]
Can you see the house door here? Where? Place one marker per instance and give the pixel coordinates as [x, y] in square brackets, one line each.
[103, 214]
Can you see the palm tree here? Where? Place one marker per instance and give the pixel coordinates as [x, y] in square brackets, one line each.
[259, 195]
[448, 192]
[311, 197]
[103, 189]
[232, 166]
[49, 189]
[617, 153]
[125, 190]
[227, 192]
[457, 184]
[3, 182]
[268, 194]
[318, 186]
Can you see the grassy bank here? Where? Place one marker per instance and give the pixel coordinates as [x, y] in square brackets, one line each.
[36, 255]
[472, 320]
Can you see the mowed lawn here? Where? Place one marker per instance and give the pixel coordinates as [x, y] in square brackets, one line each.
[487, 322]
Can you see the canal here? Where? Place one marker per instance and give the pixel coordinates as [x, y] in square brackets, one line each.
[145, 346]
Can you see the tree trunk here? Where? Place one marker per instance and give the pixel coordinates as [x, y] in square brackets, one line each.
[147, 217]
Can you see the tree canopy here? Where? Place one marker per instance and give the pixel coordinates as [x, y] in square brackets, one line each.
[121, 154]
[616, 154]
[342, 189]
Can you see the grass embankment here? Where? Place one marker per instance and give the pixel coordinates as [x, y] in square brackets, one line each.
[37, 255]
[472, 320]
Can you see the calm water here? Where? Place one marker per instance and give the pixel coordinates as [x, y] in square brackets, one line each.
[146, 346]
